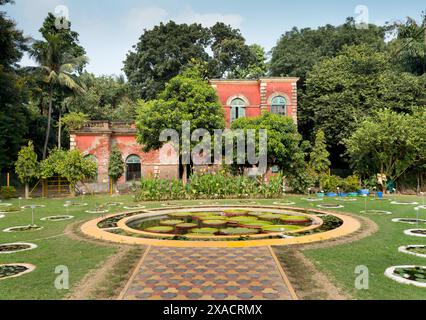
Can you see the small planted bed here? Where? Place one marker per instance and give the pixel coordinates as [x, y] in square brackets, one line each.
[376, 212]
[98, 210]
[113, 204]
[75, 204]
[312, 199]
[284, 203]
[10, 209]
[57, 218]
[412, 275]
[416, 232]
[134, 207]
[14, 270]
[8, 248]
[407, 203]
[23, 229]
[409, 221]
[330, 206]
[295, 220]
[35, 206]
[416, 250]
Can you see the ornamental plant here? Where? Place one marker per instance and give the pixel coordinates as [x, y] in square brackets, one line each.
[115, 165]
[27, 166]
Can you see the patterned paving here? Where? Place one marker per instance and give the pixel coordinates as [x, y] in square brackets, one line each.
[166, 273]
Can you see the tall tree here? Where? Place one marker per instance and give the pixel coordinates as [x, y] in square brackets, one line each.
[13, 114]
[318, 157]
[299, 50]
[187, 97]
[342, 90]
[57, 69]
[27, 166]
[115, 165]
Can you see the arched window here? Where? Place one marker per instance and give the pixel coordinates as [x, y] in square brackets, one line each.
[95, 160]
[238, 109]
[133, 168]
[279, 105]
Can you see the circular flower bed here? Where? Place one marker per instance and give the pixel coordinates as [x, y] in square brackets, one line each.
[23, 228]
[2, 216]
[404, 203]
[134, 207]
[114, 204]
[236, 213]
[416, 232]
[29, 206]
[97, 211]
[285, 203]
[416, 250]
[10, 209]
[422, 207]
[408, 220]
[312, 199]
[57, 218]
[412, 275]
[160, 229]
[375, 212]
[8, 248]
[171, 223]
[14, 270]
[238, 231]
[204, 231]
[75, 204]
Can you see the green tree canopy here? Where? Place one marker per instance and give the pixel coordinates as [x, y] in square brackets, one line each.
[318, 157]
[284, 142]
[342, 90]
[166, 50]
[27, 166]
[116, 164]
[298, 51]
[187, 97]
[389, 143]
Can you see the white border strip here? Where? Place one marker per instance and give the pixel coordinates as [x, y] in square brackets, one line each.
[404, 249]
[411, 233]
[30, 268]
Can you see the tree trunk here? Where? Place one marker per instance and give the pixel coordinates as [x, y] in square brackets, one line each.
[59, 130]
[185, 175]
[418, 184]
[49, 116]
[72, 190]
[27, 190]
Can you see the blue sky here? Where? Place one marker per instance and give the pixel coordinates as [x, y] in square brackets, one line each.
[109, 28]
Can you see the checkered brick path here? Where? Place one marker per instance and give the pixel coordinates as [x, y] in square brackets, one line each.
[208, 274]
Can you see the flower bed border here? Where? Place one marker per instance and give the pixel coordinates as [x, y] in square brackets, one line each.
[30, 268]
[32, 247]
[389, 273]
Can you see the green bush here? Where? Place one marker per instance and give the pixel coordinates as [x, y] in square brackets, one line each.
[7, 192]
[208, 186]
[330, 183]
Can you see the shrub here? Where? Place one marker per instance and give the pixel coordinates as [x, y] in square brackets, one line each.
[7, 192]
[330, 183]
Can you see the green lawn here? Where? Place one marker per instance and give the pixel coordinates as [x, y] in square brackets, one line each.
[377, 252]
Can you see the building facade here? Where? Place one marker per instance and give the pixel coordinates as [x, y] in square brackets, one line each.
[240, 98]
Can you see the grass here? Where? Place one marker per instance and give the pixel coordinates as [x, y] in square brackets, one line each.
[377, 252]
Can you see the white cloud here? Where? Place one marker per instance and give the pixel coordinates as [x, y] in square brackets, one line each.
[145, 18]
[208, 19]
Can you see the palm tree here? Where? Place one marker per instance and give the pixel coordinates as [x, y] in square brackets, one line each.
[57, 67]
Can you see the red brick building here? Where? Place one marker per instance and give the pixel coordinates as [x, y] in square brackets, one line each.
[240, 98]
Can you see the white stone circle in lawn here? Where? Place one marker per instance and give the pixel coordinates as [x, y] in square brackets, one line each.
[312, 199]
[2, 216]
[376, 212]
[30, 246]
[209, 203]
[414, 233]
[27, 269]
[29, 206]
[405, 249]
[404, 279]
[330, 206]
[284, 203]
[2, 204]
[16, 229]
[408, 220]
[97, 211]
[114, 204]
[57, 218]
[134, 207]
[75, 204]
[422, 207]
[6, 212]
[348, 199]
[404, 203]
